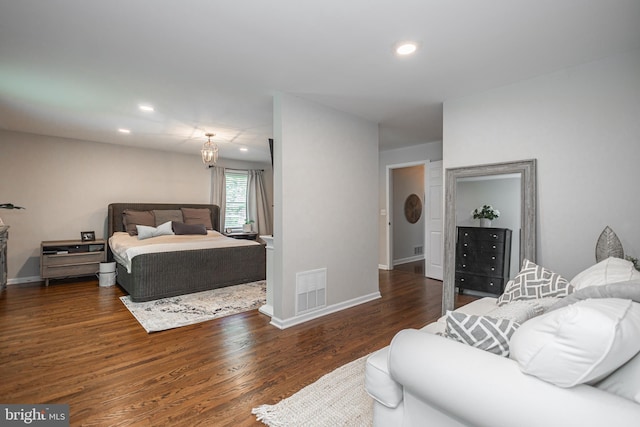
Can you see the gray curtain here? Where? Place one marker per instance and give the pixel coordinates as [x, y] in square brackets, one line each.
[218, 193]
[257, 203]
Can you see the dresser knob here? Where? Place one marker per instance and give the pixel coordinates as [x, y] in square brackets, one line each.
[491, 257]
[495, 236]
[464, 265]
[462, 280]
[494, 246]
[466, 245]
[464, 254]
[492, 269]
[491, 284]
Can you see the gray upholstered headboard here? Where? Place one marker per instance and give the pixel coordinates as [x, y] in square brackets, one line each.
[114, 213]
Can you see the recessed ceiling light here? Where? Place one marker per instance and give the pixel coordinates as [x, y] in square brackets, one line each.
[406, 48]
[145, 107]
[122, 130]
[244, 149]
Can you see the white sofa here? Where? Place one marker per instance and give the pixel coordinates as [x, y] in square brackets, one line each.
[424, 379]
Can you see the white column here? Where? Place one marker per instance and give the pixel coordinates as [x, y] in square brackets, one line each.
[268, 307]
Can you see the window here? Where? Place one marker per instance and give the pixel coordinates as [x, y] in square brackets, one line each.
[236, 200]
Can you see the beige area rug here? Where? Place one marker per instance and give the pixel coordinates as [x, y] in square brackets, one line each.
[169, 313]
[336, 399]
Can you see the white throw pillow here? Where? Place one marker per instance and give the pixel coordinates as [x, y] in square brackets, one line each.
[580, 343]
[146, 232]
[611, 270]
[518, 311]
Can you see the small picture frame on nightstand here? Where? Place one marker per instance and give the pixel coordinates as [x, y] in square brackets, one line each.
[87, 236]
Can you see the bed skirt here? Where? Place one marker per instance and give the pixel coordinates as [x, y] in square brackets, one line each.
[162, 275]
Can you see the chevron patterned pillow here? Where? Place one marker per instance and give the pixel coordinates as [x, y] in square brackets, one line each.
[535, 282]
[482, 332]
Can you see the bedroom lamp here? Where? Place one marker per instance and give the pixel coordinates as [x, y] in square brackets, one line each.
[209, 151]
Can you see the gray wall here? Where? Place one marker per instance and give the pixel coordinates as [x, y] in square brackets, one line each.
[582, 126]
[325, 174]
[67, 184]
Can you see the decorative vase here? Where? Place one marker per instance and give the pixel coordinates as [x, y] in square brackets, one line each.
[485, 222]
[246, 228]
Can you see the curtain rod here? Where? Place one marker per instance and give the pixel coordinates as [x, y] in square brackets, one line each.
[232, 169]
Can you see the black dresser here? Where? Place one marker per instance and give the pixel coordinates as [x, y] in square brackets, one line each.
[483, 259]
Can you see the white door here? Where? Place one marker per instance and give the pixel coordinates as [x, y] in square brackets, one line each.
[434, 243]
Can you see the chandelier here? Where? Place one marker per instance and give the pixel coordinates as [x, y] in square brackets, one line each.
[209, 151]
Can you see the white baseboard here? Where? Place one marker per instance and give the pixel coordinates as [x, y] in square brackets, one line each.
[383, 267]
[409, 259]
[19, 280]
[296, 320]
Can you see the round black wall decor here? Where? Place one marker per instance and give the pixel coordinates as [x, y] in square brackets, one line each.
[413, 208]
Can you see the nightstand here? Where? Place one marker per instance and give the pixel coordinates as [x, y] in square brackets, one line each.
[71, 258]
[252, 235]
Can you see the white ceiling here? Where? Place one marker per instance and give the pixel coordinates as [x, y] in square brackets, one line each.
[79, 68]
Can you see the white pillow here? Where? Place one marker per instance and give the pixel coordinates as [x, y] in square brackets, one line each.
[518, 311]
[580, 343]
[611, 270]
[146, 232]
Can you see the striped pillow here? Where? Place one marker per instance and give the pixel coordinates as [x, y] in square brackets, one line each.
[535, 282]
[482, 332]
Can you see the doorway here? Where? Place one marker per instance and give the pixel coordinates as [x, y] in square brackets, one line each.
[415, 244]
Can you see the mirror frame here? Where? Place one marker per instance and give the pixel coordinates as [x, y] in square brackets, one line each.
[528, 218]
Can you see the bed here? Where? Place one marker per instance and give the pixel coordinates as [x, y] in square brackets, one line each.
[164, 274]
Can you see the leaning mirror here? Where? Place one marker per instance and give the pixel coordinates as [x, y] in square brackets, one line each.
[458, 182]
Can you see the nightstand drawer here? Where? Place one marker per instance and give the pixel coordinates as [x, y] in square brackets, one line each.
[70, 270]
[67, 259]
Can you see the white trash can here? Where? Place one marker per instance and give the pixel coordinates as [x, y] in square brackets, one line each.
[107, 275]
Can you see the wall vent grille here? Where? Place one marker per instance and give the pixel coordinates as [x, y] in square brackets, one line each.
[418, 250]
[311, 290]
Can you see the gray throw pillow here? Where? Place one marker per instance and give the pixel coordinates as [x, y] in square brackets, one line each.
[623, 290]
[181, 228]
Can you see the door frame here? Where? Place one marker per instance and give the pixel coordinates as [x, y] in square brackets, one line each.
[389, 205]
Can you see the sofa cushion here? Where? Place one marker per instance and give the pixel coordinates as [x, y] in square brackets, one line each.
[483, 332]
[624, 381]
[610, 270]
[580, 343]
[378, 381]
[534, 282]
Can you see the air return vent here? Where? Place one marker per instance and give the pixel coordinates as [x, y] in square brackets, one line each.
[418, 250]
[311, 290]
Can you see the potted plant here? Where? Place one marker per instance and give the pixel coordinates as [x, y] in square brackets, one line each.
[8, 206]
[248, 226]
[485, 214]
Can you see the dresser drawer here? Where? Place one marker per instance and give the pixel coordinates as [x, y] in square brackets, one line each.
[481, 234]
[492, 285]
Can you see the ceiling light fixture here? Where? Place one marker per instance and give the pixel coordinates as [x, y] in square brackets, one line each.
[209, 151]
[406, 48]
[244, 149]
[122, 130]
[146, 108]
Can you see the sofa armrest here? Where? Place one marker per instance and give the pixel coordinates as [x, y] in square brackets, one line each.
[482, 389]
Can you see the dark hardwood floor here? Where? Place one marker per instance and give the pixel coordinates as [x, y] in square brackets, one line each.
[75, 343]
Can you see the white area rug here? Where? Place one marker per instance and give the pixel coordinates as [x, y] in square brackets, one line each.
[336, 399]
[169, 313]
